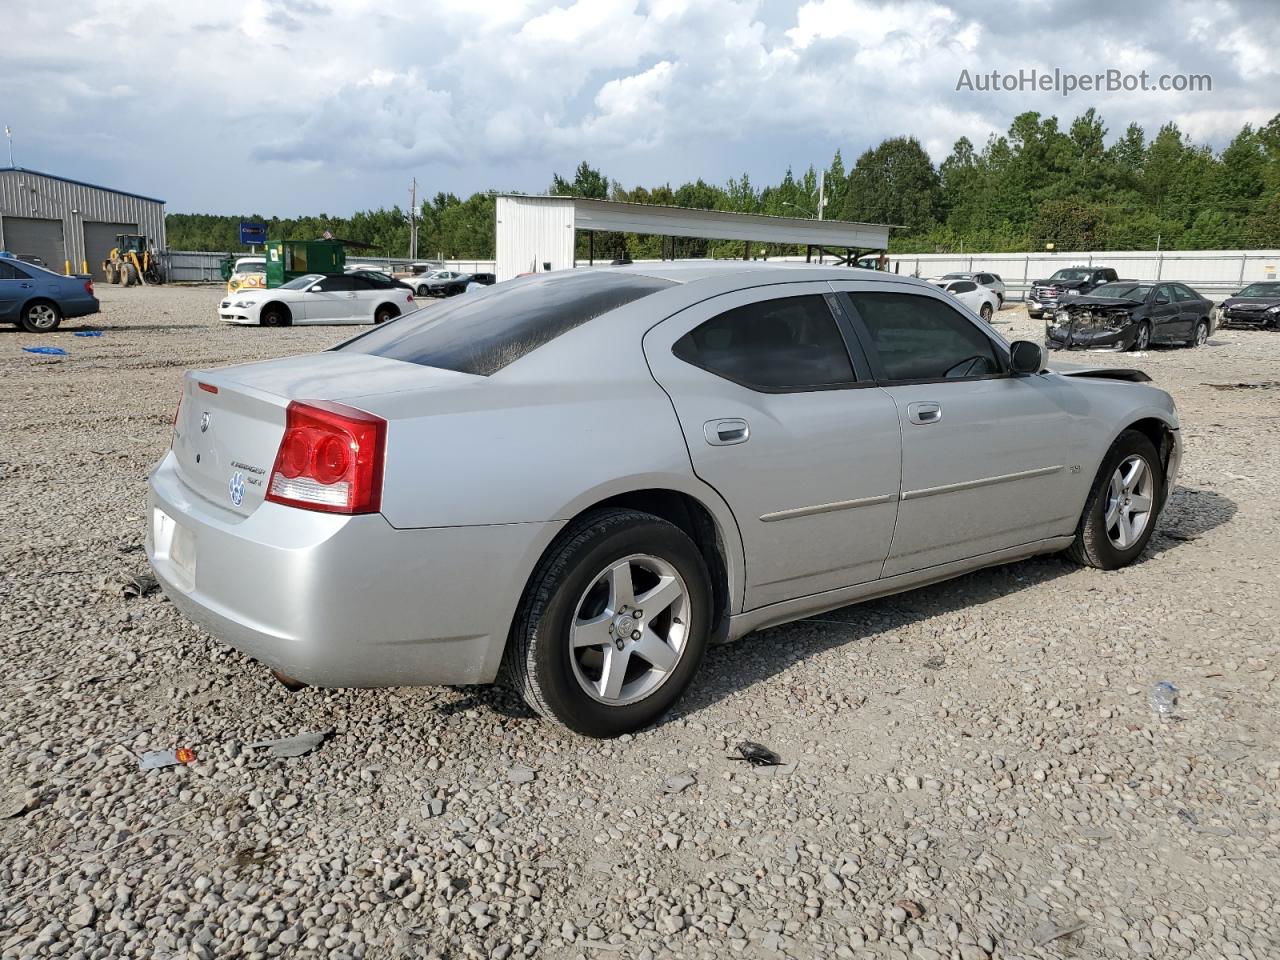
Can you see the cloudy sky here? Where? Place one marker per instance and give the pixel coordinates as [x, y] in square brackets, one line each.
[332, 105]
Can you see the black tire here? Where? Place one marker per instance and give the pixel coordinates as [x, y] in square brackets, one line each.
[384, 313]
[273, 315]
[1142, 337]
[538, 661]
[130, 275]
[1093, 546]
[985, 312]
[423, 292]
[113, 276]
[40, 316]
[1201, 335]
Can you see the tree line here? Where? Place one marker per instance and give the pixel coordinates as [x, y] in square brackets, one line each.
[1034, 186]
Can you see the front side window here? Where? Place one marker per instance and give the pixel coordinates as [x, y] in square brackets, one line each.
[790, 343]
[481, 335]
[9, 272]
[921, 338]
[340, 283]
[1162, 295]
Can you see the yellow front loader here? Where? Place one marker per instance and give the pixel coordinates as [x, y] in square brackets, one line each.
[132, 261]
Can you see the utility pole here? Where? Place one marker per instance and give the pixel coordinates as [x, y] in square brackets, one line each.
[9, 136]
[822, 192]
[412, 219]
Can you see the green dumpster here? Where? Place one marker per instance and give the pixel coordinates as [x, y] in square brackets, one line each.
[289, 259]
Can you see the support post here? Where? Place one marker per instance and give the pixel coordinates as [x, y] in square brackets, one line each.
[808, 253]
[746, 249]
[591, 248]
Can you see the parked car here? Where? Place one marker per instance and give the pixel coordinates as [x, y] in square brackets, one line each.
[37, 299]
[991, 281]
[1257, 305]
[368, 268]
[981, 300]
[380, 279]
[1045, 295]
[448, 499]
[488, 279]
[317, 298]
[1130, 315]
[248, 272]
[441, 283]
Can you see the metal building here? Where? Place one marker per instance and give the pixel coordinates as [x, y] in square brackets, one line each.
[538, 233]
[68, 224]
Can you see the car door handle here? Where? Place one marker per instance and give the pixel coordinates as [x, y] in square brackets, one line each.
[924, 411]
[725, 433]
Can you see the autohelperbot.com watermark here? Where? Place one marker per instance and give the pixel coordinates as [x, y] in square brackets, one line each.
[1066, 82]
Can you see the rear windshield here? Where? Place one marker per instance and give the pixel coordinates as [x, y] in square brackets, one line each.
[482, 333]
[1070, 274]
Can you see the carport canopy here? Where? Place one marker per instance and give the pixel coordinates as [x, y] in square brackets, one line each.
[536, 233]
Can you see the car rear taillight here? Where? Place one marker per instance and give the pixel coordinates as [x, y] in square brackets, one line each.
[330, 459]
[88, 287]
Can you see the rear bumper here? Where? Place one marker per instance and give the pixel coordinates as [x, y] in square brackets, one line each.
[341, 601]
[82, 307]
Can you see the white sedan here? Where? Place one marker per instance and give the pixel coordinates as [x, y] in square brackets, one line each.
[981, 300]
[317, 298]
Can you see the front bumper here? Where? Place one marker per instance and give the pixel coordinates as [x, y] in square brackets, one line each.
[341, 601]
[1065, 336]
[1247, 318]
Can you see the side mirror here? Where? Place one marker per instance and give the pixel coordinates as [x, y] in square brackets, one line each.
[1026, 357]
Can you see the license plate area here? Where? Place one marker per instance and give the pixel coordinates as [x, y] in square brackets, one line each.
[175, 549]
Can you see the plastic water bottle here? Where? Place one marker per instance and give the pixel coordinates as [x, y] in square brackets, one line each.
[1164, 697]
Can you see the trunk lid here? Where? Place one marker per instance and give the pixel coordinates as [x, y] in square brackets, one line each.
[232, 419]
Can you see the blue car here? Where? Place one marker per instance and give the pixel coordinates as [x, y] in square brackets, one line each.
[37, 299]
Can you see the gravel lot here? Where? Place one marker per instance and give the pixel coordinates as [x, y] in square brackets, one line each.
[972, 769]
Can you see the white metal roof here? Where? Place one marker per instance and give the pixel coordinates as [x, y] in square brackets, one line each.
[623, 217]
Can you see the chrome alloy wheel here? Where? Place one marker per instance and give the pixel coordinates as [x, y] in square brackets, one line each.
[1202, 334]
[1130, 500]
[42, 316]
[630, 630]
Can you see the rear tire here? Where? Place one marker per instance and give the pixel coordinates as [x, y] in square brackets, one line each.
[580, 644]
[1106, 537]
[985, 312]
[40, 317]
[384, 313]
[1201, 336]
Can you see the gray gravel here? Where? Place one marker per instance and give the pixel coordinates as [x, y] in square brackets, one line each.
[970, 770]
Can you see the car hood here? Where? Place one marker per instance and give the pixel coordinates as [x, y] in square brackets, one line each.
[1059, 283]
[1088, 301]
[1259, 302]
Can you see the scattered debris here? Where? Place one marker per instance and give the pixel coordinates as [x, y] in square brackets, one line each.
[757, 754]
[47, 351]
[519, 774]
[17, 802]
[936, 662]
[913, 909]
[159, 759]
[294, 746]
[1047, 933]
[1164, 698]
[88, 333]
[678, 783]
[433, 808]
[136, 585]
[1254, 385]
[1183, 537]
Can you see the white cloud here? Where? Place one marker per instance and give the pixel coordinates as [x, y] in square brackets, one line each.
[304, 105]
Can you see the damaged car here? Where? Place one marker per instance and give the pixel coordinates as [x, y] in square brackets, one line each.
[1132, 315]
[1257, 305]
[1045, 295]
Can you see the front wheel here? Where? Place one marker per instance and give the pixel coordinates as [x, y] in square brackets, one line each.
[423, 292]
[1142, 339]
[273, 317]
[613, 624]
[1120, 514]
[40, 317]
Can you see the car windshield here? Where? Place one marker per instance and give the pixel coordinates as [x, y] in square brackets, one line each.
[1070, 275]
[301, 283]
[1123, 291]
[251, 266]
[482, 333]
[1260, 290]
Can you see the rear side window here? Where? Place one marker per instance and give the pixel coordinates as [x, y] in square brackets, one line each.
[340, 283]
[964, 286]
[920, 338]
[481, 334]
[791, 343]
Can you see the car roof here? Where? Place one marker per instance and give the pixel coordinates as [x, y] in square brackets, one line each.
[752, 272]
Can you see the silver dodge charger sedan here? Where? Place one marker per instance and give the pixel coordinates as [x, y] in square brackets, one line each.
[574, 482]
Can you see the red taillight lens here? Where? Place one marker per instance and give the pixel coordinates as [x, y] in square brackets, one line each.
[88, 287]
[330, 459]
